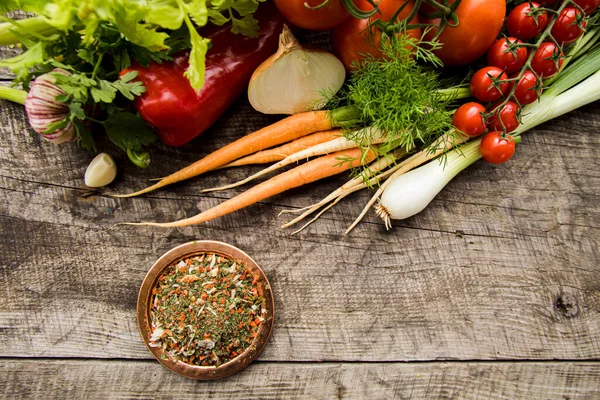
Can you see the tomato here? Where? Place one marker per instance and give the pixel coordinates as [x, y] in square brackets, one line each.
[565, 29]
[547, 60]
[468, 119]
[507, 55]
[479, 23]
[496, 149]
[485, 85]
[588, 6]
[506, 116]
[353, 37]
[322, 18]
[525, 22]
[526, 91]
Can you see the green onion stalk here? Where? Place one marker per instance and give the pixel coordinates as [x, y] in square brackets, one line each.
[575, 86]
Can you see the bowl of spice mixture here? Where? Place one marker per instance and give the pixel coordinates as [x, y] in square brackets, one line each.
[205, 310]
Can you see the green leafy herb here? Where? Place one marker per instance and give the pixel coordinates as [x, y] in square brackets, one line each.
[399, 96]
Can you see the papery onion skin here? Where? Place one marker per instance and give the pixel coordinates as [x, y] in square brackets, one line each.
[43, 109]
[295, 79]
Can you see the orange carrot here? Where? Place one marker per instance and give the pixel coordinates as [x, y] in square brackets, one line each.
[283, 131]
[281, 152]
[308, 172]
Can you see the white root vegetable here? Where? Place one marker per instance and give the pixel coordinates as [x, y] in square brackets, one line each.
[295, 78]
[332, 146]
[349, 187]
[410, 193]
[101, 171]
[444, 143]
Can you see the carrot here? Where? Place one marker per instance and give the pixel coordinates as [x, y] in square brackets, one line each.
[334, 145]
[283, 131]
[281, 152]
[303, 174]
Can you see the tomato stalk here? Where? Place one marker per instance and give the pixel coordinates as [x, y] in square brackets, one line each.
[527, 66]
[357, 12]
[318, 6]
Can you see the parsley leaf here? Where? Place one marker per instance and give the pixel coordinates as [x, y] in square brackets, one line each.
[128, 131]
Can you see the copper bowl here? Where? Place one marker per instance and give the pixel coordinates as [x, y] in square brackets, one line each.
[145, 300]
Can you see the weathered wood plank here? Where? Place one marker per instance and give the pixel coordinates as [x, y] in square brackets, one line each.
[476, 276]
[113, 379]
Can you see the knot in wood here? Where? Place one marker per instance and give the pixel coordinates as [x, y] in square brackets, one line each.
[566, 305]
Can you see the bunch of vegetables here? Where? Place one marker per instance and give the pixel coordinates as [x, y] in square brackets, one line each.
[84, 62]
[394, 123]
[395, 115]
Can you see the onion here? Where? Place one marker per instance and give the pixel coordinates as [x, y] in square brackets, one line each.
[295, 78]
[43, 109]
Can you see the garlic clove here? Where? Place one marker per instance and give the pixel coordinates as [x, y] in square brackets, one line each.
[101, 171]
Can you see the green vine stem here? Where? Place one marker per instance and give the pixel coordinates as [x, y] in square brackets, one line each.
[526, 67]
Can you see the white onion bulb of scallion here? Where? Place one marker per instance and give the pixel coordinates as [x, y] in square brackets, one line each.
[295, 78]
[410, 193]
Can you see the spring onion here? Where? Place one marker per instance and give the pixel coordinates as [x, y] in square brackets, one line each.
[410, 193]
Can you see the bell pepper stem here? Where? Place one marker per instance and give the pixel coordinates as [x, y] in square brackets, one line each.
[12, 94]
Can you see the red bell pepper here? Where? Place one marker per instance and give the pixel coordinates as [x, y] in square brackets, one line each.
[175, 109]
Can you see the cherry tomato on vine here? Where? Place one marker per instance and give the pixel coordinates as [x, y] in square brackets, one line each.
[588, 6]
[485, 85]
[507, 55]
[479, 23]
[354, 37]
[526, 91]
[566, 29]
[525, 21]
[322, 18]
[547, 60]
[497, 149]
[468, 119]
[506, 116]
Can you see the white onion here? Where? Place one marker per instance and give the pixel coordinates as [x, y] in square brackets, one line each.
[295, 79]
[410, 193]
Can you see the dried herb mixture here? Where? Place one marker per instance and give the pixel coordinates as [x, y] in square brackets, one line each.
[206, 310]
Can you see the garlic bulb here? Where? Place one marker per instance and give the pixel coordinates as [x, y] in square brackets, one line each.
[101, 171]
[43, 109]
[295, 79]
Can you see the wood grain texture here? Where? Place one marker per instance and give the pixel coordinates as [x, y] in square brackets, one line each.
[488, 271]
[489, 381]
[503, 265]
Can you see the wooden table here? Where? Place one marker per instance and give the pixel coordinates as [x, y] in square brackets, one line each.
[492, 292]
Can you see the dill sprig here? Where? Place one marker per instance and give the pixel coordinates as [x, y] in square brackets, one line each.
[398, 96]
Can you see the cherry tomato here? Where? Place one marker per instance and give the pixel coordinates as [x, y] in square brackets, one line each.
[507, 116]
[588, 6]
[565, 29]
[547, 60]
[353, 37]
[506, 55]
[526, 92]
[482, 84]
[322, 18]
[525, 22]
[479, 23]
[468, 119]
[496, 149]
